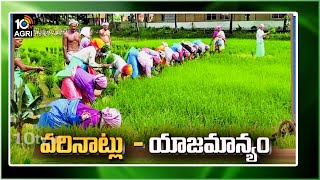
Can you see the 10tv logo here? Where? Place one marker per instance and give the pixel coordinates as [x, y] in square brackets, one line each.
[22, 26]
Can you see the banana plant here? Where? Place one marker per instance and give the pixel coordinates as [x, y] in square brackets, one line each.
[22, 112]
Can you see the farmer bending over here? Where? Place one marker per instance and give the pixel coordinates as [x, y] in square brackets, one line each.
[66, 112]
[146, 62]
[156, 55]
[190, 48]
[176, 47]
[88, 55]
[202, 47]
[170, 55]
[90, 85]
[120, 66]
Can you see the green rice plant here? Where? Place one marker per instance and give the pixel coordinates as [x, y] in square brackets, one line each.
[31, 56]
[48, 64]
[36, 57]
[272, 30]
[59, 66]
[34, 89]
[109, 59]
[36, 51]
[30, 49]
[154, 72]
[44, 54]
[105, 49]
[123, 52]
[47, 49]
[23, 56]
[49, 81]
[288, 141]
[24, 77]
[22, 50]
[59, 82]
[33, 77]
[51, 50]
[110, 90]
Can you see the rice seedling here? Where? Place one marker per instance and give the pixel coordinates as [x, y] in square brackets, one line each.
[49, 65]
[35, 89]
[49, 81]
[35, 57]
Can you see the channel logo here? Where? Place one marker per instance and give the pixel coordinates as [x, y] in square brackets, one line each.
[22, 26]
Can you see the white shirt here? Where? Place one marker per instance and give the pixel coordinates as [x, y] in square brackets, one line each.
[260, 35]
[169, 52]
[118, 64]
[88, 56]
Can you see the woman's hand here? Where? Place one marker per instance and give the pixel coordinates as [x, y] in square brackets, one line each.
[40, 68]
[67, 60]
[97, 93]
[84, 116]
[106, 65]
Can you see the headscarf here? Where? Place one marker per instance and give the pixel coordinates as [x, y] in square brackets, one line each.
[105, 24]
[111, 116]
[164, 44]
[97, 42]
[219, 28]
[73, 21]
[160, 48]
[261, 25]
[101, 80]
[85, 31]
[127, 69]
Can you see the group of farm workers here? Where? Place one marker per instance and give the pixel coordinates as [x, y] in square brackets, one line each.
[81, 83]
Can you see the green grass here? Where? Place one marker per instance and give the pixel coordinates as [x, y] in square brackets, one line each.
[228, 93]
[287, 142]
